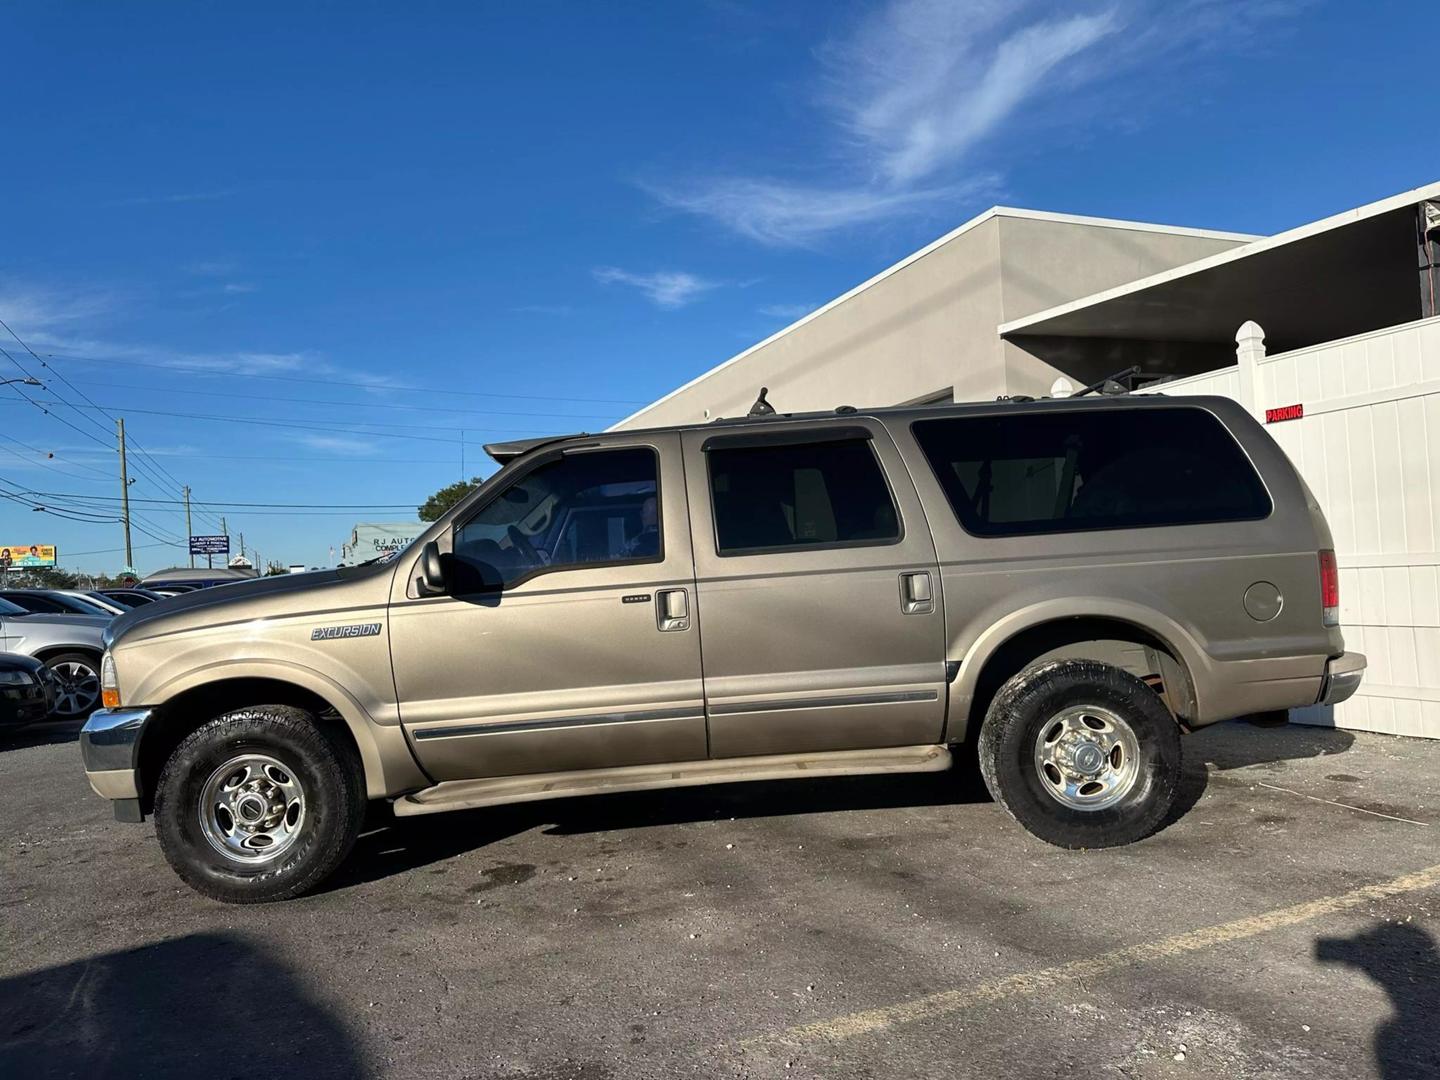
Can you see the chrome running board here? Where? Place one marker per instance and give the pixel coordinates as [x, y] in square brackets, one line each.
[498, 790]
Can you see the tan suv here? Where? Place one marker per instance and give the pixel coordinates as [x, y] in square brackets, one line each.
[1063, 586]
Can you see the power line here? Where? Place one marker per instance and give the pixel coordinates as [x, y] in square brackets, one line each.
[41, 405]
[229, 505]
[353, 404]
[326, 426]
[144, 463]
[346, 382]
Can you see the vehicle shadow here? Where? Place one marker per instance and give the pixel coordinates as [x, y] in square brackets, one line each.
[1403, 960]
[203, 1005]
[1238, 744]
[394, 845]
[46, 733]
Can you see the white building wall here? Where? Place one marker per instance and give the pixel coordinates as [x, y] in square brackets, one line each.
[1369, 447]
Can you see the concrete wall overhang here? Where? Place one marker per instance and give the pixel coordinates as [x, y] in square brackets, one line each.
[1334, 278]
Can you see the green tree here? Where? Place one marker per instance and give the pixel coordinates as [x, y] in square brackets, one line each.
[446, 497]
[42, 577]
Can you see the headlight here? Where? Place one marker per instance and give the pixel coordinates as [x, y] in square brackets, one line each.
[109, 685]
[16, 678]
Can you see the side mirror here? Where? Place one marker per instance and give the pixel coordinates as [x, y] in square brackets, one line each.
[430, 572]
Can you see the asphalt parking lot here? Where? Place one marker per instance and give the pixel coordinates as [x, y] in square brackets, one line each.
[1284, 926]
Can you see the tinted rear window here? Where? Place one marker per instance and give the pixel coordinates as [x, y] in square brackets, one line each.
[807, 495]
[1049, 472]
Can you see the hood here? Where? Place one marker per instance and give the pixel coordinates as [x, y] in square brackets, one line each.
[257, 598]
[46, 618]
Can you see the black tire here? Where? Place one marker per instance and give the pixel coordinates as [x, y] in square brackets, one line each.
[329, 778]
[1026, 708]
[72, 670]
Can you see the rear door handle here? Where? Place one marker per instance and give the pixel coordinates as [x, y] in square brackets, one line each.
[672, 610]
[916, 595]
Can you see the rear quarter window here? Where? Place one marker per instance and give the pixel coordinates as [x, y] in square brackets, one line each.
[1055, 472]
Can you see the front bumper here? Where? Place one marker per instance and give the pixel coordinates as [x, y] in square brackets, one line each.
[1342, 678]
[110, 748]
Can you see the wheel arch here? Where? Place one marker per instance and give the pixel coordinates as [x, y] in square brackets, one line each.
[1017, 641]
[51, 651]
[189, 701]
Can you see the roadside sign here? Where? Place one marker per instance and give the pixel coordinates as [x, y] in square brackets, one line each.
[209, 545]
[17, 556]
[1283, 413]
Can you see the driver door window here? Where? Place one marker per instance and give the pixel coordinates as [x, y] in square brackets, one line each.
[596, 508]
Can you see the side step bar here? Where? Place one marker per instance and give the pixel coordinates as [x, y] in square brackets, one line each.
[495, 791]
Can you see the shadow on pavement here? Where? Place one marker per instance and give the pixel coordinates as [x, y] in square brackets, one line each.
[1263, 739]
[48, 733]
[1403, 960]
[393, 846]
[208, 1005]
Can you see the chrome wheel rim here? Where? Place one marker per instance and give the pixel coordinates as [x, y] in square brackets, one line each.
[77, 687]
[252, 809]
[1087, 757]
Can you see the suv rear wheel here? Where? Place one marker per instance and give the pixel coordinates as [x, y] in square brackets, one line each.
[1082, 754]
[258, 804]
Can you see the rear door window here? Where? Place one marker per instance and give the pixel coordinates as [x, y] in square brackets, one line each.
[1049, 472]
[829, 493]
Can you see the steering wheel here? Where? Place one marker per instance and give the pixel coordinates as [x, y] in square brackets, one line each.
[521, 543]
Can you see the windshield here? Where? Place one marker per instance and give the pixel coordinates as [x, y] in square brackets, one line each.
[7, 608]
[77, 605]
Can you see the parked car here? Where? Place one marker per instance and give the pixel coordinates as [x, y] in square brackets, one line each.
[68, 645]
[1061, 587]
[27, 692]
[53, 602]
[130, 598]
[94, 600]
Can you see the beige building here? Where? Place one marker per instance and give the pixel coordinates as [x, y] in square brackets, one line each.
[925, 329]
[1329, 332]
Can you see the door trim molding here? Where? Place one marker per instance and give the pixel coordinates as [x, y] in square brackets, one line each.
[894, 698]
[509, 727]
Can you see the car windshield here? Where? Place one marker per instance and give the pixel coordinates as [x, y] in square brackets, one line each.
[77, 605]
[7, 608]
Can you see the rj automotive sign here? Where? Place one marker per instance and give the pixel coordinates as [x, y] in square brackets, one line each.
[209, 545]
[18, 555]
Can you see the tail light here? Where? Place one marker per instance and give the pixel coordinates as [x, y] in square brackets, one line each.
[1329, 589]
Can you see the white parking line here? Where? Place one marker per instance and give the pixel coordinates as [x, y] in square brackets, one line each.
[1024, 984]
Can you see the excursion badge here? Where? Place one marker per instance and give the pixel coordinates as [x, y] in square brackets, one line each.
[330, 633]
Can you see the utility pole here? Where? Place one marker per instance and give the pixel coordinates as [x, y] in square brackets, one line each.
[210, 559]
[124, 493]
[189, 530]
[242, 545]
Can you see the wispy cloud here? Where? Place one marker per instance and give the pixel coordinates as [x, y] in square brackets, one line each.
[914, 89]
[787, 311]
[781, 213]
[338, 444]
[211, 267]
[236, 288]
[62, 324]
[176, 197]
[665, 288]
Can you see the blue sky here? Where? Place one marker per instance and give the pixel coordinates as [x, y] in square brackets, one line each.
[540, 216]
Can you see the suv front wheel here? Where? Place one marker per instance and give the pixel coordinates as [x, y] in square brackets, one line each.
[258, 804]
[1082, 754]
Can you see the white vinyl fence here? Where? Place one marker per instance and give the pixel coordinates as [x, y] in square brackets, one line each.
[1369, 447]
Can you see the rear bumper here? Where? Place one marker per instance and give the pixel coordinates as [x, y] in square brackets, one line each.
[110, 748]
[1342, 678]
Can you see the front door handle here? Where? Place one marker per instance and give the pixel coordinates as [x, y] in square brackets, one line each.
[672, 610]
[916, 595]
